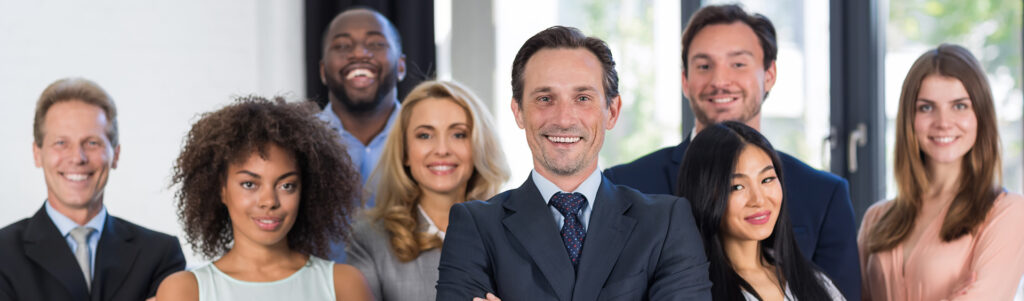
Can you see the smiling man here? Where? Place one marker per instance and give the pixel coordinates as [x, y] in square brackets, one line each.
[728, 70]
[568, 233]
[71, 249]
[361, 65]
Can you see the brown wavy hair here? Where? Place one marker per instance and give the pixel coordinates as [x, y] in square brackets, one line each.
[397, 191]
[330, 185]
[980, 173]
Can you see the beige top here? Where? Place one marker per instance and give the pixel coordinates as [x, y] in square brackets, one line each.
[937, 270]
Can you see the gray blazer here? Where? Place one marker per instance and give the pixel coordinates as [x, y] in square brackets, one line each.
[390, 279]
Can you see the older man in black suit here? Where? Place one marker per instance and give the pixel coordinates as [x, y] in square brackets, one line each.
[568, 233]
[71, 249]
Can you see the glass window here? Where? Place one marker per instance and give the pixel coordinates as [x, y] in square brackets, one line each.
[991, 30]
[795, 116]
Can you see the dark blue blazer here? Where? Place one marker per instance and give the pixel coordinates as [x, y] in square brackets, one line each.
[37, 264]
[638, 247]
[819, 207]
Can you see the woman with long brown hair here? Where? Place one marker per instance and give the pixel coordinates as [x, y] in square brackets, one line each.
[952, 232]
[443, 150]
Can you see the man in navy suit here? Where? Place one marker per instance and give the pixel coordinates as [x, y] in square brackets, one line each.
[568, 233]
[71, 249]
[728, 69]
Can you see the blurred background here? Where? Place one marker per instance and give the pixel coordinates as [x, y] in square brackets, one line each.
[841, 64]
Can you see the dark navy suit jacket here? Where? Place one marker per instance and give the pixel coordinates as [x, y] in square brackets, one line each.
[637, 247]
[37, 264]
[820, 208]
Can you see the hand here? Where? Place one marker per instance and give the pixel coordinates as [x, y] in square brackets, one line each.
[490, 297]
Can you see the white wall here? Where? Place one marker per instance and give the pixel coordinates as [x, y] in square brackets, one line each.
[163, 62]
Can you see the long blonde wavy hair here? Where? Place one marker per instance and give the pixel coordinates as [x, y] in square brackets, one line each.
[397, 193]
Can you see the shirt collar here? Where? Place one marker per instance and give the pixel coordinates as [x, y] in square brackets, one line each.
[335, 123]
[588, 188]
[65, 224]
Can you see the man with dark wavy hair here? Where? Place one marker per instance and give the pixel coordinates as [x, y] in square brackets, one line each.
[568, 233]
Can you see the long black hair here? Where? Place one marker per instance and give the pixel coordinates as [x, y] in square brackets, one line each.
[705, 178]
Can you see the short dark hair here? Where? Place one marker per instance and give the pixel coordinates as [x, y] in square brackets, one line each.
[571, 38]
[330, 185]
[728, 14]
[395, 38]
[68, 89]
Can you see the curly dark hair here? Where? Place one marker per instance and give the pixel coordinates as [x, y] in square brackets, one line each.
[330, 185]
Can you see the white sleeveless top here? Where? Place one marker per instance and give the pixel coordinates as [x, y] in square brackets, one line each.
[314, 281]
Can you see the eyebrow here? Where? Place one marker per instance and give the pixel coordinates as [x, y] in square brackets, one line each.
[254, 175]
[368, 33]
[585, 88]
[955, 100]
[540, 90]
[730, 54]
[765, 169]
[431, 127]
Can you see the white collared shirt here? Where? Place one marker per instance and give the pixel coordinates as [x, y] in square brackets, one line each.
[431, 227]
[588, 189]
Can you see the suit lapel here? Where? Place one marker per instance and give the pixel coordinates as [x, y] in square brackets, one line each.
[46, 247]
[115, 256]
[672, 169]
[531, 223]
[606, 236]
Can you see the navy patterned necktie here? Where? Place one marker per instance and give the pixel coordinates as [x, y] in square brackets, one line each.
[569, 205]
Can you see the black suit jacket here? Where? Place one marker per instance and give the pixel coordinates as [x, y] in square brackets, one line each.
[819, 207]
[638, 247]
[36, 263]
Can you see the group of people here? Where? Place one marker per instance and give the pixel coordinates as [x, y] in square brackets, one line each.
[406, 194]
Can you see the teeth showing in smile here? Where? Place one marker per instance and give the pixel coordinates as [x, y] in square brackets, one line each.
[266, 221]
[359, 72]
[563, 139]
[76, 177]
[760, 217]
[721, 100]
[943, 139]
[441, 167]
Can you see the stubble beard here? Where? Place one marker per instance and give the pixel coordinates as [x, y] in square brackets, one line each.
[357, 106]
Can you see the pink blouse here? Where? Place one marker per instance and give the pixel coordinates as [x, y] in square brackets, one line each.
[937, 270]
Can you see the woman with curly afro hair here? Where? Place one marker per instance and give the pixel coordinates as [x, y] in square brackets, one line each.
[264, 187]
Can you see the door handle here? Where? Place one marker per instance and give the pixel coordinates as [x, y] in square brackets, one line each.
[858, 137]
[827, 144]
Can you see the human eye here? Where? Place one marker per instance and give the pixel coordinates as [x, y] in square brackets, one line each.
[736, 187]
[924, 108]
[422, 136]
[768, 180]
[544, 99]
[461, 135]
[583, 98]
[289, 187]
[739, 65]
[961, 106]
[377, 45]
[248, 185]
[343, 46]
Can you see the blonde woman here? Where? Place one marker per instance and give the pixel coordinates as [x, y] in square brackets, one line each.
[443, 150]
[952, 233]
